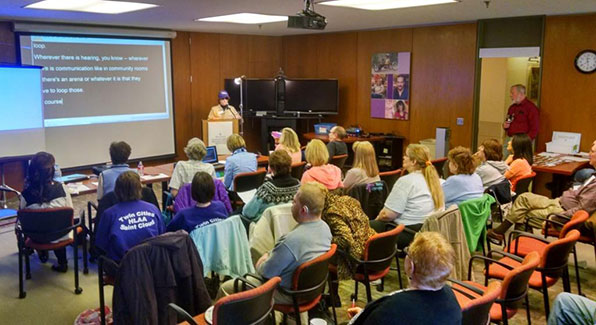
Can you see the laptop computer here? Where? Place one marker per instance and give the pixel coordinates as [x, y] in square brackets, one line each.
[211, 157]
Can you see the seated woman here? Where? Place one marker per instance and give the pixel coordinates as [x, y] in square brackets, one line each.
[414, 196]
[42, 192]
[281, 188]
[464, 184]
[327, 174]
[521, 160]
[240, 161]
[365, 169]
[428, 300]
[184, 171]
[491, 168]
[289, 142]
[129, 222]
[205, 212]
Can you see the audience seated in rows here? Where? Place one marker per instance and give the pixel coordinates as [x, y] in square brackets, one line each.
[521, 158]
[491, 167]
[129, 222]
[308, 240]
[205, 212]
[364, 169]
[281, 188]
[414, 196]
[42, 192]
[184, 171]
[320, 171]
[289, 142]
[241, 161]
[119, 153]
[464, 184]
[428, 300]
[582, 197]
[336, 145]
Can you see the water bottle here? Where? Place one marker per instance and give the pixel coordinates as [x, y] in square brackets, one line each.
[140, 168]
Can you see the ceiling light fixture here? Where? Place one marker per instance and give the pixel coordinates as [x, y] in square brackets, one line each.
[245, 18]
[384, 4]
[94, 6]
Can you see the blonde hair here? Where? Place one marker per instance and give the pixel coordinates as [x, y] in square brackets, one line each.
[316, 153]
[364, 158]
[195, 149]
[419, 155]
[234, 142]
[433, 258]
[289, 139]
[312, 195]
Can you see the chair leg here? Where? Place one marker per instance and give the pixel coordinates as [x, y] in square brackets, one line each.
[504, 314]
[368, 293]
[577, 279]
[297, 311]
[102, 302]
[22, 293]
[528, 310]
[355, 295]
[27, 266]
[566, 281]
[545, 296]
[332, 295]
[401, 286]
[78, 289]
[85, 261]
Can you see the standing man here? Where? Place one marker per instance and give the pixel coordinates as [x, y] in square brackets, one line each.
[223, 111]
[522, 116]
[400, 91]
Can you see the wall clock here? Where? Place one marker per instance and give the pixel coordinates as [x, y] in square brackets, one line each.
[585, 61]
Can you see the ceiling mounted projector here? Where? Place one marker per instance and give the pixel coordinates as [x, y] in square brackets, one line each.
[307, 18]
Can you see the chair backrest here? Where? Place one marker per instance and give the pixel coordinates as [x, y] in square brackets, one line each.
[45, 225]
[339, 160]
[440, 165]
[380, 249]
[390, 178]
[372, 197]
[476, 311]
[501, 191]
[515, 283]
[249, 181]
[556, 254]
[576, 221]
[246, 307]
[310, 277]
[298, 169]
[522, 185]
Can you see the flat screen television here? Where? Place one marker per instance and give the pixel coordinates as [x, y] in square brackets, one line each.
[312, 96]
[259, 94]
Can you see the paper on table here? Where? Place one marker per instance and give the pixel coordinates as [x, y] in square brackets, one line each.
[152, 177]
[76, 188]
[573, 158]
[548, 154]
[247, 196]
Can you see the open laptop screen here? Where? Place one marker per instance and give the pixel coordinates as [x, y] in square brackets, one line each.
[211, 156]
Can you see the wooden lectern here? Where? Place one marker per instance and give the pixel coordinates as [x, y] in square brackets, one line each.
[216, 133]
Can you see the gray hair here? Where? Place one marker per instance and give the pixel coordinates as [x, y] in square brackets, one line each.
[195, 149]
[520, 88]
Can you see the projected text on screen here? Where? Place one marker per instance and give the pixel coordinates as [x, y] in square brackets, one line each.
[89, 80]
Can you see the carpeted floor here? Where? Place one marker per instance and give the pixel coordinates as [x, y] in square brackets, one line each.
[51, 299]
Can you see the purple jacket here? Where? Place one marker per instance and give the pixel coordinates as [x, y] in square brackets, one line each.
[184, 197]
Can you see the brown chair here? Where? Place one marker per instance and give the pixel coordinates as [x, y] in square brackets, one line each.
[522, 185]
[308, 283]
[514, 286]
[522, 245]
[298, 170]
[249, 181]
[36, 229]
[339, 160]
[440, 166]
[379, 251]
[249, 307]
[390, 178]
[476, 305]
[371, 196]
[553, 265]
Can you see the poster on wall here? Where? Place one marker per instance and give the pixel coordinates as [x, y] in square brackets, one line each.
[390, 86]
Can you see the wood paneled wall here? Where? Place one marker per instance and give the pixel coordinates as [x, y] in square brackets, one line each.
[442, 75]
[567, 98]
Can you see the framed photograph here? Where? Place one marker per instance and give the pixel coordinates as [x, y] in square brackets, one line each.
[390, 86]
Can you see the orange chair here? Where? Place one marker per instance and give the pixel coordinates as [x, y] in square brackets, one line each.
[298, 170]
[308, 283]
[38, 228]
[249, 181]
[527, 242]
[514, 287]
[522, 184]
[476, 307]
[339, 160]
[376, 259]
[246, 307]
[391, 177]
[553, 265]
